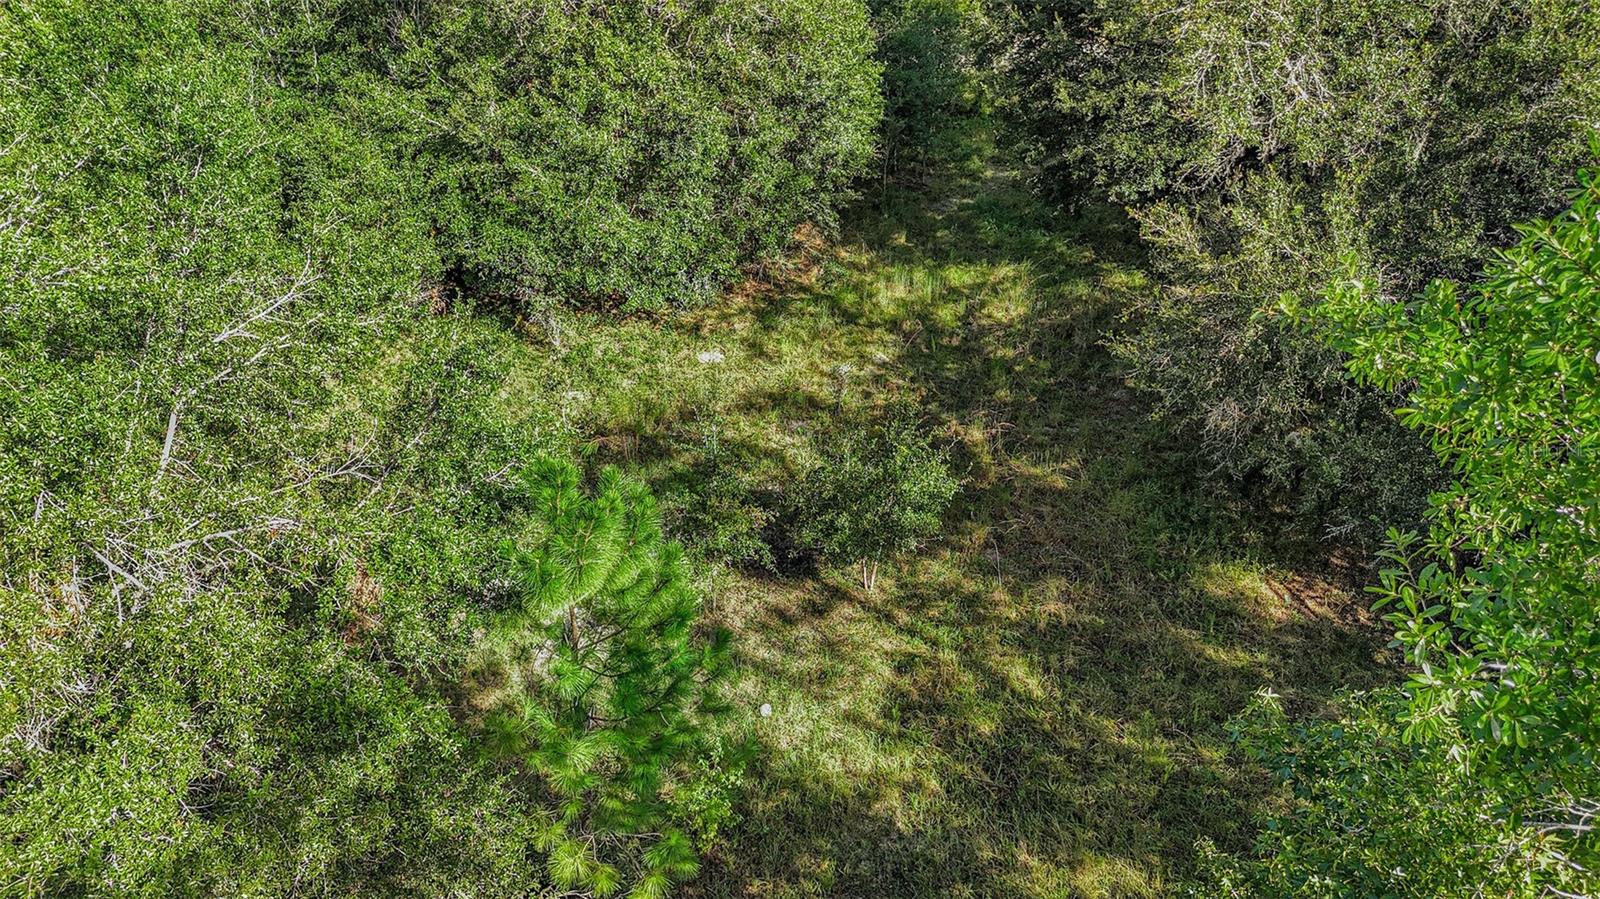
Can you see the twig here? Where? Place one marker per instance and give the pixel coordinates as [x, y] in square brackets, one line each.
[114, 567]
[166, 445]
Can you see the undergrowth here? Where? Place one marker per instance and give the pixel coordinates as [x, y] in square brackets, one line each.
[1034, 705]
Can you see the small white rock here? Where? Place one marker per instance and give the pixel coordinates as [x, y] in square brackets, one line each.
[709, 357]
[766, 710]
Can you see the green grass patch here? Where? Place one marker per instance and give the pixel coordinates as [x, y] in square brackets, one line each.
[1034, 705]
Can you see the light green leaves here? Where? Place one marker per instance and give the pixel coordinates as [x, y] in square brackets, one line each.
[621, 736]
[1495, 606]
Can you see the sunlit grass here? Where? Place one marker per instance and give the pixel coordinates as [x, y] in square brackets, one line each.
[1034, 706]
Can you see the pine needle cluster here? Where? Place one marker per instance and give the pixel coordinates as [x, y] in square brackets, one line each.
[610, 694]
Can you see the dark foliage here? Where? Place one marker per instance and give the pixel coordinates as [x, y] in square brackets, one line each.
[1264, 145]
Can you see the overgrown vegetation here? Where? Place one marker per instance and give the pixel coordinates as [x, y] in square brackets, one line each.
[932, 83]
[347, 349]
[1275, 153]
[253, 472]
[1265, 147]
[1478, 777]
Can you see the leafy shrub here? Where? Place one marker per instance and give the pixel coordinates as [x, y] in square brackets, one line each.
[1263, 144]
[196, 287]
[629, 155]
[1496, 605]
[1480, 776]
[607, 694]
[1372, 813]
[876, 492]
[931, 84]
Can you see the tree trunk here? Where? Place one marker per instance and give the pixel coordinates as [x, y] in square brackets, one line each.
[869, 575]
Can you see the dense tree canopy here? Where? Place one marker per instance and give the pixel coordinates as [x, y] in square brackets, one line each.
[624, 154]
[1478, 777]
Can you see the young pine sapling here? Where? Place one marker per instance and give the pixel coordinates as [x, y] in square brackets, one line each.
[607, 694]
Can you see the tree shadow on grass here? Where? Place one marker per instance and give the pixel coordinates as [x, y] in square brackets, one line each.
[1035, 705]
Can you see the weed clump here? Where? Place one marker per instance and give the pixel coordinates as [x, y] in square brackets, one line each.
[875, 493]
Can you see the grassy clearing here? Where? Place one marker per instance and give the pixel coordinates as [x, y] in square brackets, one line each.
[1034, 706]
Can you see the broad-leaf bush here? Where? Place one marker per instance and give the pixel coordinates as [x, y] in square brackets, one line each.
[1479, 776]
[1368, 812]
[1261, 144]
[1495, 606]
[877, 491]
[626, 155]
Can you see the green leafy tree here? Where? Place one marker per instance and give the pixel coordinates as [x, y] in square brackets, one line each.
[1263, 144]
[1369, 812]
[607, 693]
[1495, 606]
[876, 492]
[626, 154]
[1479, 777]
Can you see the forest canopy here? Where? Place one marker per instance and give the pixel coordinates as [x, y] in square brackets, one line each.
[1263, 146]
